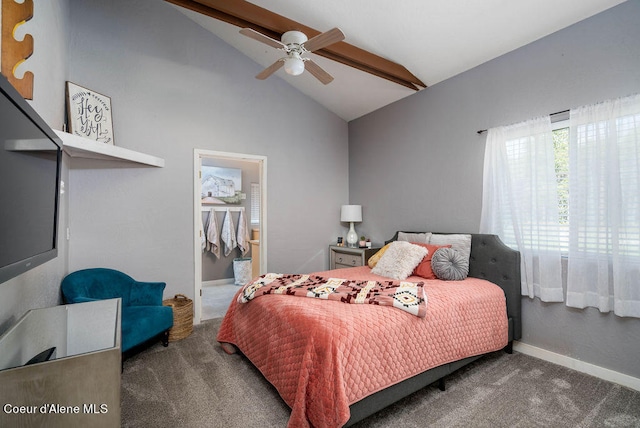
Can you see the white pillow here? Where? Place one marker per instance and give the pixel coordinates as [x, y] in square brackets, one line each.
[459, 242]
[422, 238]
[400, 259]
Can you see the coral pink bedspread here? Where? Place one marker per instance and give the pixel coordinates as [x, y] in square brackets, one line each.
[324, 355]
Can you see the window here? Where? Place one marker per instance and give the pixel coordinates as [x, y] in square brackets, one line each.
[607, 180]
[561, 166]
[255, 203]
[552, 189]
[520, 202]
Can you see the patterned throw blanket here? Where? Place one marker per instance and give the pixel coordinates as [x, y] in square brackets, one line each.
[408, 296]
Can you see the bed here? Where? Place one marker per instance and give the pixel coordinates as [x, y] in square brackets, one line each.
[335, 364]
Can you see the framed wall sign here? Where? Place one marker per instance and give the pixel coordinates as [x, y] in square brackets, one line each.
[89, 114]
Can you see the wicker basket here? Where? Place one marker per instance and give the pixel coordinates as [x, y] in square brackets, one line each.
[182, 316]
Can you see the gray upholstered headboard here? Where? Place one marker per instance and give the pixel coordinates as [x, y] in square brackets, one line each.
[492, 260]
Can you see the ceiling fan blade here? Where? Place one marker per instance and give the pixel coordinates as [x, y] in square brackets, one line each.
[317, 72]
[270, 70]
[262, 38]
[324, 39]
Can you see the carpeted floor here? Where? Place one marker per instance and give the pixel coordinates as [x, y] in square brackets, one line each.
[194, 383]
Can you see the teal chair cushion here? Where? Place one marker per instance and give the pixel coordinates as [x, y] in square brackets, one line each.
[144, 323]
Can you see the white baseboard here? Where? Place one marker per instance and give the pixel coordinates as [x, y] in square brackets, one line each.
[581, 366]
[214, 282]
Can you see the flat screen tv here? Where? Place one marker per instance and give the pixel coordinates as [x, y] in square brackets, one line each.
[30, 159]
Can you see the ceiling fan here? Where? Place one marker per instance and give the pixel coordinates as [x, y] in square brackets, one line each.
[244, 14]
[295, 44]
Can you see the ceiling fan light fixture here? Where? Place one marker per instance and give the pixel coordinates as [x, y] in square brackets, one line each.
[295, 44]
[294, 66]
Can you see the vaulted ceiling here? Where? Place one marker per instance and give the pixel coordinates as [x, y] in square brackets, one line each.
[391, 49]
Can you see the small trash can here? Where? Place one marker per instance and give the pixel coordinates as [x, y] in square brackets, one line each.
[242, 270]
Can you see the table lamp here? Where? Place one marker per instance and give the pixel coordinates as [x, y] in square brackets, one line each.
[351, 214]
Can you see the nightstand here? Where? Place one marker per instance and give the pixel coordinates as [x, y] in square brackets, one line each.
[344, 257]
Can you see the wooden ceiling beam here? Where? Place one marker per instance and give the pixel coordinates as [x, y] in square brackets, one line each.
[247, 15]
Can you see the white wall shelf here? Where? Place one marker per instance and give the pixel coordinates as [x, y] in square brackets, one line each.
[80, 147]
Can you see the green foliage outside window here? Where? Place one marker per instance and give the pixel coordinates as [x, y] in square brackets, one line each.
[561, 150]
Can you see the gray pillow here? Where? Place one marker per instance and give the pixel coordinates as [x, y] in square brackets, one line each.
[421, 238]
[459, 241]
[449, 264]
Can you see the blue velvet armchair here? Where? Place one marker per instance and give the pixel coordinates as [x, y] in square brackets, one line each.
[143, 315]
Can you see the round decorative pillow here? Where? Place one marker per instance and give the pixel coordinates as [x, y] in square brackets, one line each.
[449, 264]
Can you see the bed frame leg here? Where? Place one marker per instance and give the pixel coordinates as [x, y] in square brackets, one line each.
[441, 384]
[509, 348]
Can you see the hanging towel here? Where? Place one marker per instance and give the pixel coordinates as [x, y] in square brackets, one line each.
[203, 236]
[243, 233]
[213, 238]
[228, 234]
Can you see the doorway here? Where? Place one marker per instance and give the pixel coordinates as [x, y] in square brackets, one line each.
[257, 219]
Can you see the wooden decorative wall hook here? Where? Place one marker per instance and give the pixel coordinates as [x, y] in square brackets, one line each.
[15, 52]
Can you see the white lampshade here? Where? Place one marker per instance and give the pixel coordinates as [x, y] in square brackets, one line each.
[350, 213]
[294, 66]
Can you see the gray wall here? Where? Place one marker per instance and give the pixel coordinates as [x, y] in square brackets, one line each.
[417, 164]
[40, 287]
[174, 88]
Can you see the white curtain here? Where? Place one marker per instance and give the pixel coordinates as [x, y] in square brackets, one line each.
[604, 207]
[520, 202]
